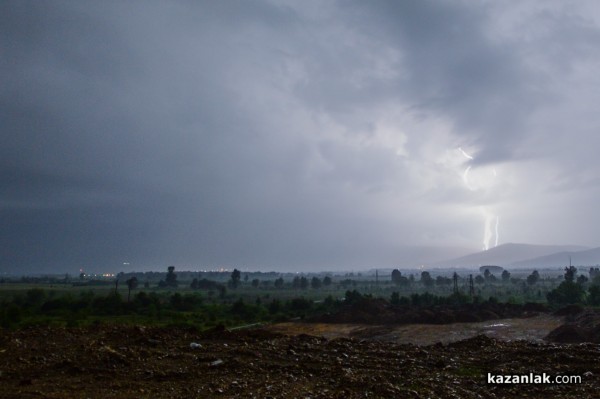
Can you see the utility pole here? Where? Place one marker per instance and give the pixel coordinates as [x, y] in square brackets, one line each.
[455, 280]
[471, 286]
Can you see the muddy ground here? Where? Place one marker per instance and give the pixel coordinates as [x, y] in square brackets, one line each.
[138, 362]
[534, 328]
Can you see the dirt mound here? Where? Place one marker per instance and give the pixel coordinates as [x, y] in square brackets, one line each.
[569, 333]
[569, 310]
[377, 311]
[582, 326]
[144, 362]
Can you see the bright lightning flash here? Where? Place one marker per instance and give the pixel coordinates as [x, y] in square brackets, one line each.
[489, 217]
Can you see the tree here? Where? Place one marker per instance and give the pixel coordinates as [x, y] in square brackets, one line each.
[278, 282]
[566, 293]
[236, 275]
[171, 279]
[533, 278]
[132, 284]
[327, 281]
[195, 284]
[441, 280]
[426, 279]
[505, 276]
[570, 273]
[582, 279]
[396, 276]
[479, 279]
[455, 283]
[487, 274]
[594, 297]
[315, 282]
[303, 282]
[255, 283]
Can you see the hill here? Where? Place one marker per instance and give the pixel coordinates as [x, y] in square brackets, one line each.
[587, 258]
[509, 255]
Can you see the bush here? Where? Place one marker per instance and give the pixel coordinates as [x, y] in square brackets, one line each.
[594, 295]
[275, 306]
[299, 304]
[112, 304]
[35, 297]
[353, 297]
[10, 315]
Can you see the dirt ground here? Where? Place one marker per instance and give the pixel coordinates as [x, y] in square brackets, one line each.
[530, 328]
[138, 362]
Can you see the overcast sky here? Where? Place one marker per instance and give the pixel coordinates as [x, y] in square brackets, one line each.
[294, 135]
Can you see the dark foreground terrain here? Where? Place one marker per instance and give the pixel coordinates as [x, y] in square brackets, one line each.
[134, 362]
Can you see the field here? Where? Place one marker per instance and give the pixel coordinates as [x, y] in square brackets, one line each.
[347, 339]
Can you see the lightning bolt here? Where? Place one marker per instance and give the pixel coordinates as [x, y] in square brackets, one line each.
[488, 216]
[466, 178]
[497, 224]
[487, 229]
[465, 154]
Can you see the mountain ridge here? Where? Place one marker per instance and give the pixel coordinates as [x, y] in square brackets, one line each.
[511, 255]
[589, 257]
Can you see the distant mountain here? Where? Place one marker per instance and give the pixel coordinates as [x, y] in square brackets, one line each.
[414, 256]
[508, 255]
[590, 257]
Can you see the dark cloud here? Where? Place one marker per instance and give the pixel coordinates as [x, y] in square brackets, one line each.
[273, 135]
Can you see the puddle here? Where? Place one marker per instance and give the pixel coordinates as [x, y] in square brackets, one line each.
[498, 325]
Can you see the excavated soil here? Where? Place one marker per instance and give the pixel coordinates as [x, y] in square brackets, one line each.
[583, 325]
[534, 328]
[138, 362]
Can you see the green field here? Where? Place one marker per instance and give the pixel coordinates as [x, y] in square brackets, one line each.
[238, 299]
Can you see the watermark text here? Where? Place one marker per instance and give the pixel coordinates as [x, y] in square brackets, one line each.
[532, 378]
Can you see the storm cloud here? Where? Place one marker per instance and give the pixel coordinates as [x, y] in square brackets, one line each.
[293, 135]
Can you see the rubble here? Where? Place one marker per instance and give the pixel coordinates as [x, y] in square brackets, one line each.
[117, 362]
